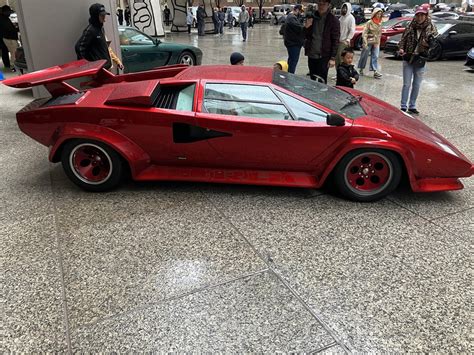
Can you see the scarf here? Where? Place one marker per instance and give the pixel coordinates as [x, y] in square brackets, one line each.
[410, 39]
[376, 20]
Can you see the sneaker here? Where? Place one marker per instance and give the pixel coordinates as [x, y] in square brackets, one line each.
[403, 109]
[361, 72]
[377, 75]
[13, 70]
[414, 111]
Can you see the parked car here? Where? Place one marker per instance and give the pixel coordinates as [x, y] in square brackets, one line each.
[233, 124]
[445, 15]
[141, 52]
[389, 28]
[454, 39]
[235, 15]
[279, 11]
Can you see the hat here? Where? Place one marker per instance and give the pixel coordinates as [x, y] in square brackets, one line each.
[97, 9]
[236, 57]
[421, 10]
[283, 64]
[7, 9]
[297, 7]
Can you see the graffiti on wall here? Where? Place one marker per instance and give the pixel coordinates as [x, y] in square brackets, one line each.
[146, 16]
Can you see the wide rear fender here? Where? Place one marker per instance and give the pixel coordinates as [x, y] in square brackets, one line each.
[136, 157]
[361, 143]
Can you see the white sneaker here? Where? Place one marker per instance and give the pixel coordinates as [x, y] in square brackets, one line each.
[377, 75]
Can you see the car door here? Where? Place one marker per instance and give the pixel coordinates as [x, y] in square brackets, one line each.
[263, 131]
[461, 38]
[139, 51]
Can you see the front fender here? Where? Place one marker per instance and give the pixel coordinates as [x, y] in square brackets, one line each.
[360, 143]
[136, 157]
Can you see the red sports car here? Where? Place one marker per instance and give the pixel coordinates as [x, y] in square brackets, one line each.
[389, 28]
[232, 124]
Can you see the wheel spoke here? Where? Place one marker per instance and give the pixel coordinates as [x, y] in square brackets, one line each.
[90, 163]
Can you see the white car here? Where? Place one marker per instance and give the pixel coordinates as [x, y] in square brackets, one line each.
[235, 15]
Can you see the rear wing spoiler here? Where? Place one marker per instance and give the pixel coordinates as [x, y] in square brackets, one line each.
[54, 78]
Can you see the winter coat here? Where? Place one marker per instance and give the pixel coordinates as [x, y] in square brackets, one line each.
[244, 17]
[7, 28]
[293, 34]
[189, 18]
[200, 14]
[410, 40]
[331, 36]
[372, 30]
[347, 23]
[92, 45]
[344, 74]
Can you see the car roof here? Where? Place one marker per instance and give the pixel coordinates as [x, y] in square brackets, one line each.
[237, 73]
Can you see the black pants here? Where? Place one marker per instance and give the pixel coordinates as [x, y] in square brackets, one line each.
[189, 28]
[318, 67]
[5, 54]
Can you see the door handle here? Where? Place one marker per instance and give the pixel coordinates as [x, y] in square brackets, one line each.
[125, 50]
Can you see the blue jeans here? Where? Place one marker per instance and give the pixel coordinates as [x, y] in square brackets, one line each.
[374, 55]
[412, 77]
[293, 57]
[243, 27]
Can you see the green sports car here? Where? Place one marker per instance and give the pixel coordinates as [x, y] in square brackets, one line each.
[141, 52]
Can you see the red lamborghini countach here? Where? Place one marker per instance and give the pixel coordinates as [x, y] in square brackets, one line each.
[232, 124]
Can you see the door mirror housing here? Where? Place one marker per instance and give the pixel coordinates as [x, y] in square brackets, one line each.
[452, 33]
[157, 41]
[333, 119]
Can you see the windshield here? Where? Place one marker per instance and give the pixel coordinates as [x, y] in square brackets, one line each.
[332, 98]
[390, 23]
[442, 27]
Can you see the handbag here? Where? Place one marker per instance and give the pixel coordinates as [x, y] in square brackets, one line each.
[417, 61]
[371, 39]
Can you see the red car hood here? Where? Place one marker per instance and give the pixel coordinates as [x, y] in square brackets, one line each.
[385, 116]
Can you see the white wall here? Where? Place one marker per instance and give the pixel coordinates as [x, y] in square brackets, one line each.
[50, 29]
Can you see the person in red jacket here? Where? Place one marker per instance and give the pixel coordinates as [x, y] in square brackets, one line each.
[322, 32]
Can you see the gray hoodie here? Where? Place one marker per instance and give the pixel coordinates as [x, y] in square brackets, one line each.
[348, 24]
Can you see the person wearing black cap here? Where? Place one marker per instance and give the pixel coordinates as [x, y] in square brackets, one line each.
[93, 45]
[237, 58]
[8, 36]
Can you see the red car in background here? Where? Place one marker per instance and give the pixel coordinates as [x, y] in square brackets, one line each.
[232, 124]
[389, 28]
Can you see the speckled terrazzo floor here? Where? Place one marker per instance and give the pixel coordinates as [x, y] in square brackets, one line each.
[202, 267]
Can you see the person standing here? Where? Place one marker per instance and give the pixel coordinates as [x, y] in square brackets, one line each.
[414, 49]
[92, 45]
[200, 16]
[244, 22]
[348, 25]
[293, 36]
[221, 18]
[250, 10]
[9, 36]
[346, 74]
[120, 16]
[322, 32]
[215, 20]
[189, 19]
[371, 43]
[167, 14]
[230, 18]
[128, 16]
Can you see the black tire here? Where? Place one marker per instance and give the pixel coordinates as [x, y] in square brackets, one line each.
[384, 175]
[187, 58]
[105, 165]
[435, 53]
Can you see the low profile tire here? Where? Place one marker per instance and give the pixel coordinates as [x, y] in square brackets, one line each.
[92, 165]
[187, 58]
[367, 175]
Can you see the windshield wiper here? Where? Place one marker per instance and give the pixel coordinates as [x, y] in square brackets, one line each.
[352, 101]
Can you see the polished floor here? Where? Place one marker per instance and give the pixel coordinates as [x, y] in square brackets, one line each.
[220, 268]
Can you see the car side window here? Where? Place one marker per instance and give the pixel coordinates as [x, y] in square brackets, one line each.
[178, 98]
[302, 111]
[244, 100]
[135, 38]
[463, 28]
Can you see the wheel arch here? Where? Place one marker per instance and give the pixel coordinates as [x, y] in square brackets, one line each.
[402, 153]
[187, 51]
[133, 155]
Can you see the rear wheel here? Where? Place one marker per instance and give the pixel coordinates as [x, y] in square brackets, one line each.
[92, 165]
[187, 58]
[368, 174]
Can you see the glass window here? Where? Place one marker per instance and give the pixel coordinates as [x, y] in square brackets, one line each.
[463, 28]
[240, 93]
[302, 111]
[132, 37]
[186, 99]
[247, 109]
[332, 98]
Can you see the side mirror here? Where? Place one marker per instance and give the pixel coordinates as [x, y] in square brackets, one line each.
[452, 33]
[157, 41]
[333, 119]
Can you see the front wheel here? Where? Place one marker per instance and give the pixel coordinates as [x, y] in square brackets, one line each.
[187, 58]
[92, 165]
[366, 175]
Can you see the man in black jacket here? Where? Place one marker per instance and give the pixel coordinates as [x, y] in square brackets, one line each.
[92, 45]
[322, 32]
[293, 36]
[200, 16]
[8, 36]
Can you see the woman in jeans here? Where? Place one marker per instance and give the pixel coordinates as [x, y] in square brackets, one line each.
[371, 43]
[414, 47]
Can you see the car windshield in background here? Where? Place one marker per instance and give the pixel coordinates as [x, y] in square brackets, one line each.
[442, 27]
[390, 23]
[332, 98]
